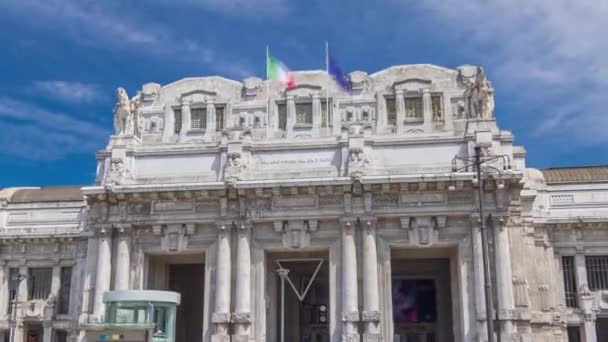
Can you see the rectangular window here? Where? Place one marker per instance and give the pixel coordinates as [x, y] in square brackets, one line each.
[219, 118]
[39, 282]
[436, 107]
[597, 272]
[391, 112]
[569, 281]
[198, 118]
[574, 334]
[282, 110]
[413, 108]
[13, 287]
[64, 291]
[304, 113]
[177, 118]
[61, 336]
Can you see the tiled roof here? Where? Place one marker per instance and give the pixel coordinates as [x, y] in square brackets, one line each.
[48, 194]
[576, 174]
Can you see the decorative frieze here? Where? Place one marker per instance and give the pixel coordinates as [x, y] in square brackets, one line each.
[423, 230]
[174, 237]
[284, 202]
[296, 233]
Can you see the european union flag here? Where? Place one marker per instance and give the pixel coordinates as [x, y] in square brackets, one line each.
[334, 70]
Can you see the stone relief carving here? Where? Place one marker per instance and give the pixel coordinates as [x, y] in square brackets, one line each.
[174, 237]
[296, 233]
[423, 231]
[520, 292]
[234, 166]
[252, 86]
[126, 118]
[258, 207]
[360, 82]
[358, 113]
[357, 161]
[117, 174]
[479, 94]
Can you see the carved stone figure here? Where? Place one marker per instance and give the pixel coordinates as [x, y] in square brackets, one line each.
[233, 167]
[126, 121]
[357, 161]
[479, 96]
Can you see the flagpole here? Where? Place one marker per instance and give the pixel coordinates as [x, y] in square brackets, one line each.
[328, 83]
[267, 98]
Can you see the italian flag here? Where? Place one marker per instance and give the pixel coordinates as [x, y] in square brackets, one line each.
[276, 70]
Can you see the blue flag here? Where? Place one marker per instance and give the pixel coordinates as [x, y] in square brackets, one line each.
[336, 72]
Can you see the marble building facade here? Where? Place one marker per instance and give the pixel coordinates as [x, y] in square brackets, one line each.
[211, 187]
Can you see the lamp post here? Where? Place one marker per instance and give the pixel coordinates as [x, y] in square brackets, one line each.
[479, 162]
[18, 278]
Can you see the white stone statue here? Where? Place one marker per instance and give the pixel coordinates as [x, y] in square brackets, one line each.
[479, 96]
[126, 120]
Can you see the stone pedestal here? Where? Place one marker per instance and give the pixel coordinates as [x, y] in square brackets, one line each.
[223, 270]
[104, 271]
[242, 305]
[350, 300]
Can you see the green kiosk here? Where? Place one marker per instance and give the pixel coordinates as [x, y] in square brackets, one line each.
[136, 316]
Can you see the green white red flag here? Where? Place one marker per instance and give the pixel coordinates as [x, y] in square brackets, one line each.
[278, 71]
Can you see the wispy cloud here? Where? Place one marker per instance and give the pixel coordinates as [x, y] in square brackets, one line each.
[76, 92]
[548, 54]
[32, 132]
[238, 7]
[113, 24]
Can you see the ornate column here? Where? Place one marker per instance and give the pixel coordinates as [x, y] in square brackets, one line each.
[400, 107]
[480, 302]
[290, 107]
[18, 331]
[185, 117]
[4, 288]
[242, 301]
[371, 295]
[585, 298]
[316, 114]
[504, 280]
[123, 261]
[104, 271]
[427, 110]
[221, 314]
[210, 124]
[350, 300]
[169, 124]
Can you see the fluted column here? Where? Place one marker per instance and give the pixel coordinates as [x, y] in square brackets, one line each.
[185, 117]
[427, 110]
[123, 261]
[104, 271]
[242, 301]
[210, 124]
[480, 295]
[18, 330]
[350, 300]
[371, 295]
[221, 314]
[291, 114]
[400, 107]
[504, 282]
[169, 124]
[316, 114]
[585, 299]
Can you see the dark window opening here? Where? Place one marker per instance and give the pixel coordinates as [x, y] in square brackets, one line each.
[569, 281]
[597, 272]
[64, 291]
[219, 118]
[39, 283]
[177, 114]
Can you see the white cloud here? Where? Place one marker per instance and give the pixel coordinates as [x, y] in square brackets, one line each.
[548, 54]
[77, 92]
[239, 7]
[32, 132]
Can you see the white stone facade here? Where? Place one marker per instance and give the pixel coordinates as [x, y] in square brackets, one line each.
[236, 175]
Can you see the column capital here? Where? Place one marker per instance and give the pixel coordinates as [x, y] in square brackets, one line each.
[241, 317]
[220, 317]
[224, 228]
[399, 92]
[370, 224]
[426, 91]
[185, 102]
[370, 316]
[350, 316]
[348, 224]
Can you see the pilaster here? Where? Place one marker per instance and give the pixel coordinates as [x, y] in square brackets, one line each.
[316, 114]
[400, 107]
[427, 110]
[291, 114]
[4, 289]
[504, 283]
[123, 260]
[210, 124]
[185, 117]
[104, 271]
[480, 295]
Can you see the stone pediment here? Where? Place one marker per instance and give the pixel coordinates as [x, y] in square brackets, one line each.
[412, 84]
[195, 96]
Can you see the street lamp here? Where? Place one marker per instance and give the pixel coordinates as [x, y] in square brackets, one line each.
[479, 162]
[18, 278]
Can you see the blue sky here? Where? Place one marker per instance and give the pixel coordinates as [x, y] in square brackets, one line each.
[63, 59]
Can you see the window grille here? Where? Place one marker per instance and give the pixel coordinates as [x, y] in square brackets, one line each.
[569, 281]
[198, 118]
[13, 287]
[574, 334]
[304, 113]
[413, 108]
[436, 107]
[39, 283]
[64, 291]
[219, 118]
[282, 109]
[177, 127]
[391, 112]
[597, 272]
